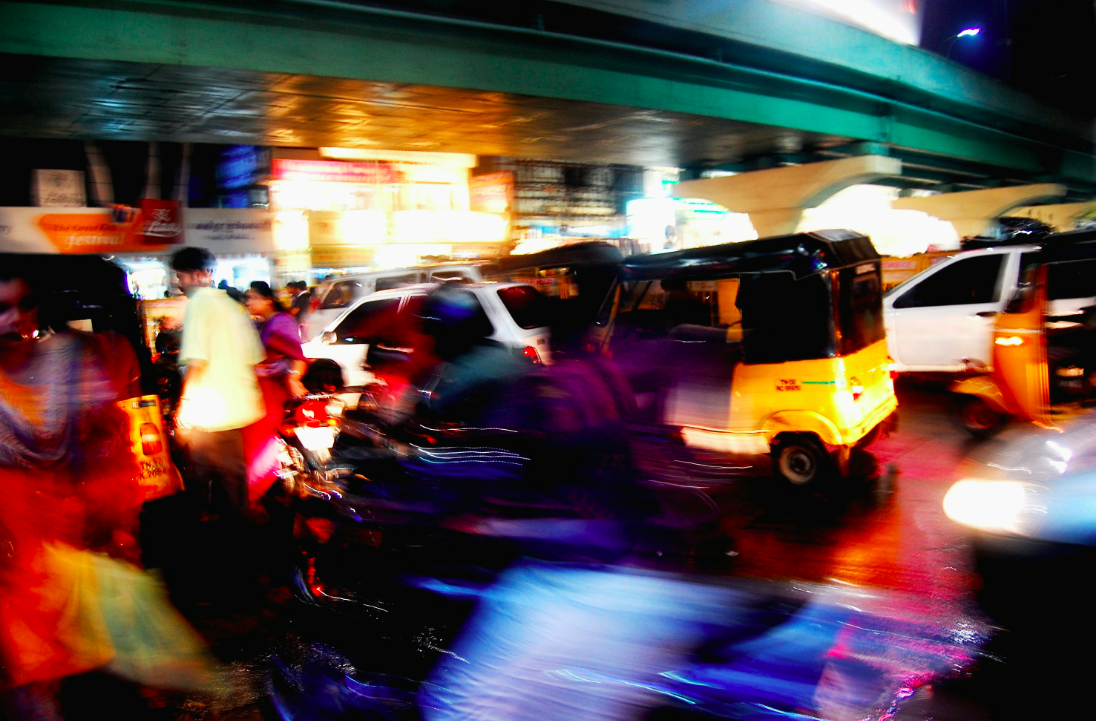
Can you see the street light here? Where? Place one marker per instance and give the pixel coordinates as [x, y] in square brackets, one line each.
[964, 33]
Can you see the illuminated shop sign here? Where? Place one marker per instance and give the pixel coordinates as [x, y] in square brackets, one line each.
[331, 171]
[491, 193]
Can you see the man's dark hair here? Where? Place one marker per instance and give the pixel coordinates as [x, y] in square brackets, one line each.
[191, 259]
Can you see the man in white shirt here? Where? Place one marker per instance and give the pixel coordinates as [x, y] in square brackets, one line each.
[221, 395]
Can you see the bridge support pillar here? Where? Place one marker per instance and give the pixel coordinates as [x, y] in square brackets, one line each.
[1061, 217]
[776, 198]
[973, 211]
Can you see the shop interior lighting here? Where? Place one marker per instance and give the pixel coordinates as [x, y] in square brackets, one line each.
[458, 160]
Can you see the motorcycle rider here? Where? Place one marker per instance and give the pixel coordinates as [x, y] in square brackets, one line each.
[473, 371]
[566, 418]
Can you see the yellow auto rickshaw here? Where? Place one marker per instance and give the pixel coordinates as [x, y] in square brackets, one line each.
[1044, 366]
[771, 350]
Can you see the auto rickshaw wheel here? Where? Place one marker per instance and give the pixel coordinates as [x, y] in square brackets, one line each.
[801, 460]
[979, 418]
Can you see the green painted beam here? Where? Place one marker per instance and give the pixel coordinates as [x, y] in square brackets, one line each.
[787, 39]
[341, 40]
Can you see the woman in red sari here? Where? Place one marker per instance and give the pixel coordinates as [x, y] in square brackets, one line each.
[279, 380]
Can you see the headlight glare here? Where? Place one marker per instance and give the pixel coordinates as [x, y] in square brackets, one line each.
[987, 505]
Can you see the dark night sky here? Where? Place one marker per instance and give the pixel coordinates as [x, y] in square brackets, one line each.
[1044, 47]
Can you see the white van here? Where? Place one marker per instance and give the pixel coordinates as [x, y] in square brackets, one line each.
[941, 320]
[513, 310]
[336, 295]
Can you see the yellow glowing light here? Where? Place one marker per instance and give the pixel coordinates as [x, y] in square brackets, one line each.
[291, 230]
[447, 226]
[867, 209]
[723, 442]
[1011, 340]
[987, 505]
[458, 160]
[201, 408]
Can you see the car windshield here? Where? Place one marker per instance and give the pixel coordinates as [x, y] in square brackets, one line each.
[525, 305]
[342, 294]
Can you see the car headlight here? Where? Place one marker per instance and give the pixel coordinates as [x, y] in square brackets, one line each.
[988, 505]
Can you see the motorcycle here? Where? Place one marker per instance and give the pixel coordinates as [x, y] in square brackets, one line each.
[564, 641]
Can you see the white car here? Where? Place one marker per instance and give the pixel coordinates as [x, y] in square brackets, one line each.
[337, 295]
[942, 320]
[513, 310]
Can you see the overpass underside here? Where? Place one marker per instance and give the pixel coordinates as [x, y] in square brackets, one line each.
[643, 89]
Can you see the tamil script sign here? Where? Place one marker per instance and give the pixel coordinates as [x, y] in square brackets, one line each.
[228, 230]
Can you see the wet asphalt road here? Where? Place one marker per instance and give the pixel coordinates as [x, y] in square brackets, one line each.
[892, 536]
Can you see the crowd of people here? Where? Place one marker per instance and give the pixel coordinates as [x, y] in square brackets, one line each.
[74, 597]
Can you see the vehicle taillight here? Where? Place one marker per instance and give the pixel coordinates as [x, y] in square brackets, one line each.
[151, 444]
[857, 388]
[531, 353]
[311, 413]
[892, 367]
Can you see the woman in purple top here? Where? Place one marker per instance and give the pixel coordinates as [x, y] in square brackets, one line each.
[279, 380]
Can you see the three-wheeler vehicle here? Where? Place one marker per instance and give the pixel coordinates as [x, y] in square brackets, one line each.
[770, 351]
[573, 281]
[1043, 360]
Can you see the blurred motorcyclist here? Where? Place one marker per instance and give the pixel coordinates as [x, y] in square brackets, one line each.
[568, 419]
[473, 372]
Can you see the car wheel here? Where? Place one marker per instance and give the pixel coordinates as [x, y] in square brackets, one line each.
[979, 418]
[801, 461]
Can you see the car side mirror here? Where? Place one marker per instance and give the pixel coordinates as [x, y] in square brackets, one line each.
[329, 337]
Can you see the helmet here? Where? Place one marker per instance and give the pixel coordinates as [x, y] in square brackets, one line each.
[455, 319]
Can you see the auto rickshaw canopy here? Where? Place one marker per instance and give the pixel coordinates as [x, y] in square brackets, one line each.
[801, 254]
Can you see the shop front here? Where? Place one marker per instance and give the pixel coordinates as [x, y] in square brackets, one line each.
[668, 224]
[370, 210]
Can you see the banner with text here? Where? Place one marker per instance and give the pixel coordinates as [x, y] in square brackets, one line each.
[160, 229]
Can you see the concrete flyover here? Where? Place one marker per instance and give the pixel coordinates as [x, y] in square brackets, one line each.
[971, 212]
[749, 61]
[1060, 217]
[776, 198]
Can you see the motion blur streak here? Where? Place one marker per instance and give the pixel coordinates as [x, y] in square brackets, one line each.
[762, 651]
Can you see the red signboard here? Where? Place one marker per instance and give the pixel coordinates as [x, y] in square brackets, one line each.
[491, 193]
[333, 171]
[161, 222]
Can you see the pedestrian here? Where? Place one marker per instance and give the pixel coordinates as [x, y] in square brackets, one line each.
[232, 292]
[279, 380]
[72, 600]
[301, 306]
[221, 396]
